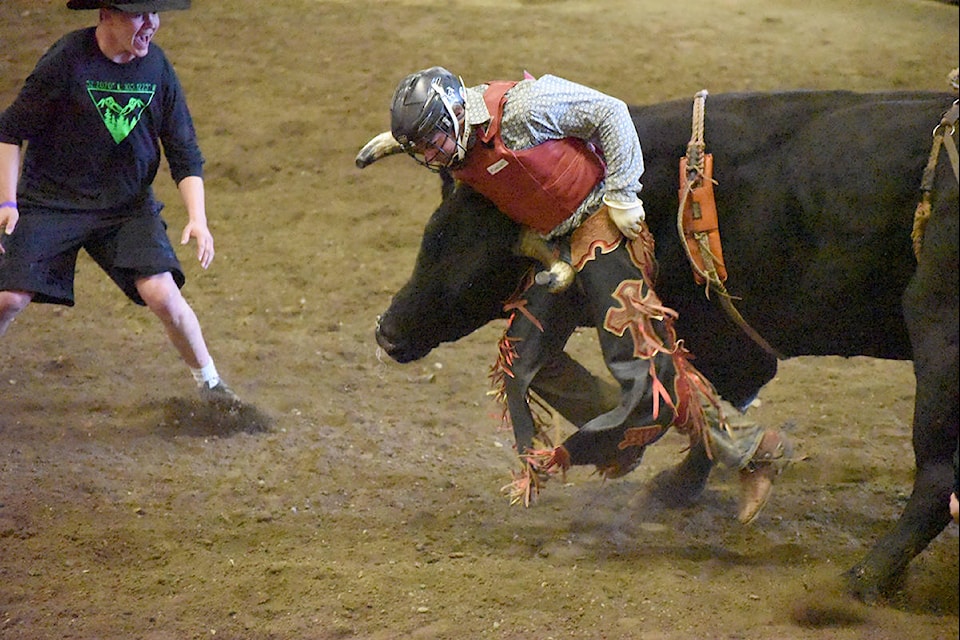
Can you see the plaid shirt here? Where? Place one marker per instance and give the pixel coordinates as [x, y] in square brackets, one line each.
[549, 108]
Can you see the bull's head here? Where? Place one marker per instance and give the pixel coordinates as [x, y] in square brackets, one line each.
[467, 268]
[465, 271]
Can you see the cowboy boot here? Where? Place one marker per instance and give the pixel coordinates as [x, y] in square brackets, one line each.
[757, 477]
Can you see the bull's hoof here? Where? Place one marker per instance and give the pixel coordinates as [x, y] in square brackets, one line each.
[860, 586]
[679, 487]
[867, 587]
[683, 485]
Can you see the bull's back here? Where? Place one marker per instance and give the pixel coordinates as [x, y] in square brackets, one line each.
[816, 193]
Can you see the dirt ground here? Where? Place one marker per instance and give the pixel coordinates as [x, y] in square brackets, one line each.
[358, 498]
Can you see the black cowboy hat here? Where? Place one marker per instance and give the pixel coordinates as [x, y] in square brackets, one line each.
[151, 6]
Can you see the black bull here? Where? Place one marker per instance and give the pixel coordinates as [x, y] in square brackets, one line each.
[816, 193]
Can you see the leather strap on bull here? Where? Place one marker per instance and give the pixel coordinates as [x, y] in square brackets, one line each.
[942, 138]
[698, 224]
[699, 227]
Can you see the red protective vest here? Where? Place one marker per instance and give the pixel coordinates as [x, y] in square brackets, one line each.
[539, 187]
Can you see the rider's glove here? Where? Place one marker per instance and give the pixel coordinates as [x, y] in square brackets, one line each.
[626, 215]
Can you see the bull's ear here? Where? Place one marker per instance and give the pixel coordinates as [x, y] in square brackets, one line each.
[448, 184]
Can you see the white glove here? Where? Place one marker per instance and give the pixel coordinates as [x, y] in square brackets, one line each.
[626, 215]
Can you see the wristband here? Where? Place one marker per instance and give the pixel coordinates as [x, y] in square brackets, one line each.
[8, 203]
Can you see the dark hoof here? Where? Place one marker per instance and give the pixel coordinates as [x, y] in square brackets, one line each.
[678, 487]
[868, 588]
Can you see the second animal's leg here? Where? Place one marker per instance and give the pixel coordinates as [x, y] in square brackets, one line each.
[930, 309]
[573, 391]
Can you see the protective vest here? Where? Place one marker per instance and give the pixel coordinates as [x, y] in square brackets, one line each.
[539, 187]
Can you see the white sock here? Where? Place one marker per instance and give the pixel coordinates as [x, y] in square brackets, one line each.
[206, 375]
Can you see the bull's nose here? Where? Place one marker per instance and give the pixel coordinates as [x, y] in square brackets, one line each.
[382, 340]
[385, 344]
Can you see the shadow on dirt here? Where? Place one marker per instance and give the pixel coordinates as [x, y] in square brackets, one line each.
[836, 611]
[194, 418]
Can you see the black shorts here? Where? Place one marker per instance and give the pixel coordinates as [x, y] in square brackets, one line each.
[41, 254]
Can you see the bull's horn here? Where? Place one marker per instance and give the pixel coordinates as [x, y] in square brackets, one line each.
[380, 146]
[559, 274]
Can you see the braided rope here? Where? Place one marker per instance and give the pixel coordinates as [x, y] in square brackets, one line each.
[942, 139]
[699, 101]
[695, 174]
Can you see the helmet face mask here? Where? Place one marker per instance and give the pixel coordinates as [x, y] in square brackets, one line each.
[436, 152]
[425, 104]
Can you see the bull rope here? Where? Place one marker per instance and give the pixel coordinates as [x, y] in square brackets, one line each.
[695, 160]
[942, 138]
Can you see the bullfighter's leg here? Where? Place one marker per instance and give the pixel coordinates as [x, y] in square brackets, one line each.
[955, 494]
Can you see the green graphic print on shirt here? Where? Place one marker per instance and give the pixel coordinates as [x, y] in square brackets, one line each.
[120, 105]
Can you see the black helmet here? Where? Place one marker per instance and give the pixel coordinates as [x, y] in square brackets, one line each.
[424, 104]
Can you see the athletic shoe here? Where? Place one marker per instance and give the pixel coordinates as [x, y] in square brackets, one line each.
[218, 393]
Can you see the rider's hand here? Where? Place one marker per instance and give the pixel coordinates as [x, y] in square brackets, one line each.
[626, 215]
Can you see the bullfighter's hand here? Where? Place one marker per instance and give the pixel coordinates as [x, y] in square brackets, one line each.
[8, 221]
[628, 216]
[204, 242]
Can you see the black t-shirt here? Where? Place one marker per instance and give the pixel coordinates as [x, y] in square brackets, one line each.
[94, 128]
